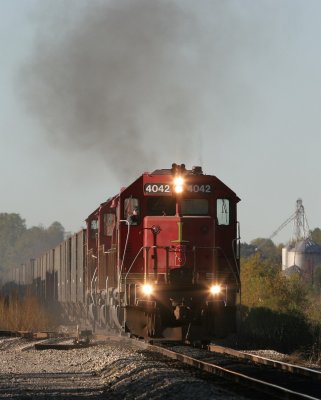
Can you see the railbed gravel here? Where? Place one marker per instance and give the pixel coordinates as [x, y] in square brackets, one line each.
[110, 370]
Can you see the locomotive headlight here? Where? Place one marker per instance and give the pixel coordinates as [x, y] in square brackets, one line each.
[215, 289]
[178, 184]
[147, 289]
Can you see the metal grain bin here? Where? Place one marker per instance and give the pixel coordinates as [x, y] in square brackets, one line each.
[302, 257]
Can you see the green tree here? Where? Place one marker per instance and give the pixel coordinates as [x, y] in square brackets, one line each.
[12, 226]
[264, 285]
[317, 280]
[18, 244]
[55, 234]
[267, 249]
[316, 235]
[247, 250]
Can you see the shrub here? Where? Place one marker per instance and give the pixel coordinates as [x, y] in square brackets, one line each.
[265, 328]
[24, 314]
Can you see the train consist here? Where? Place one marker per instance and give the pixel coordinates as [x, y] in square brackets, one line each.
[159, 259]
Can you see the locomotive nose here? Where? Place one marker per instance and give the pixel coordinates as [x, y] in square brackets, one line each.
[177, 246]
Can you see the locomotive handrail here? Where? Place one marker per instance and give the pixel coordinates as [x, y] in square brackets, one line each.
[146, 269]
[146, 264]
[148, 247]
[131, 265]
[237, 246]
[167, 249]
[124, 252]
[111, 250]
[91, 286]
[235, 257]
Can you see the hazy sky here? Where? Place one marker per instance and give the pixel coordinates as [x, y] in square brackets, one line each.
[93, 93]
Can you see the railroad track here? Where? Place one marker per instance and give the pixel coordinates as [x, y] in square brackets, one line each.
[295, 369]
[272, 378]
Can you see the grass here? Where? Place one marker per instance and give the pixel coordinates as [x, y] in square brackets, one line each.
[25, 314]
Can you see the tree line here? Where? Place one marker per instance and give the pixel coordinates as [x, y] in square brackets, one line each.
[270, 251]
[18, 243]
[264, 283]
[279, 310]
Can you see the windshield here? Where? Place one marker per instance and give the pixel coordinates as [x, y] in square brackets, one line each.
[161, 205]
[195, 207]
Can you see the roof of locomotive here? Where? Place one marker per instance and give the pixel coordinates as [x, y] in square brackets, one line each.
[194, 171]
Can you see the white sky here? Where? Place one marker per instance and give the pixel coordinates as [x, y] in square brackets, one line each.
[258, 128]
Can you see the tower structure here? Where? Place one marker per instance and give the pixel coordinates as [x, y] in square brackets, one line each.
[301, 229]
[301, 255]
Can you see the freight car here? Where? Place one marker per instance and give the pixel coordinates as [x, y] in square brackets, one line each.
[159, 259]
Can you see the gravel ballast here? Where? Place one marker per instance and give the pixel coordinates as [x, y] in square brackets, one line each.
[106, 371]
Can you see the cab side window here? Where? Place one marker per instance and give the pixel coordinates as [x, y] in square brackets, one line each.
[132, 210]
[93, 228]
[223, 213]
[109, 224]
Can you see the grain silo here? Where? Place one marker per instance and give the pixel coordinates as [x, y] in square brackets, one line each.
[301, 255]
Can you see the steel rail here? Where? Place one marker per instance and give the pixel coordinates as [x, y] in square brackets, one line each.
[295, 369]
[237, 377]
[214, 369]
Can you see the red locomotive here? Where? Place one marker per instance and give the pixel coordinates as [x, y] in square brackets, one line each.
[160, 259]
[163, 257]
